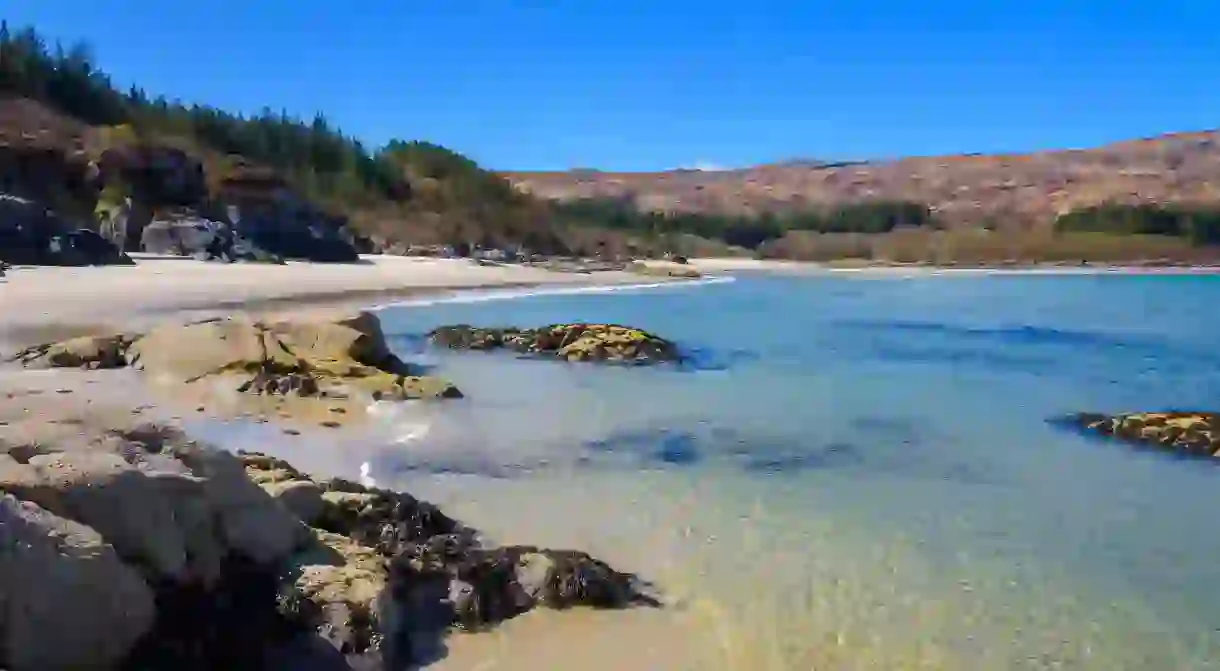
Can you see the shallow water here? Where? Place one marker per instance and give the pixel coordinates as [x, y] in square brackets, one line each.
[857, 472]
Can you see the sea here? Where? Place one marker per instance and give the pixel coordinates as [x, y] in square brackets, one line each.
[852, 471]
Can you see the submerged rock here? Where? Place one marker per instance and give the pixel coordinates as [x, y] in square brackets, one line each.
[1195, 433]
[570, 342]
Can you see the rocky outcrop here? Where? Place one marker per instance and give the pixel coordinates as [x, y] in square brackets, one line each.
[569, 342]
[185, 233]
[664, 269]
[1192, 433]
[290, 227]
[436, 570]
[87, 352]
[30, 234]
[339, 359]
[134, 547]
[67, 601]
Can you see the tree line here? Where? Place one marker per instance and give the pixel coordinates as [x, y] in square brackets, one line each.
[748, 230]
[316, 157]
[1199, 225]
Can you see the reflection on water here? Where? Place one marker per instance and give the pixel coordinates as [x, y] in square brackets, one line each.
[858, 474]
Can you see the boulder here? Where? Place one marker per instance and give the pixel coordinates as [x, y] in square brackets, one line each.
[186, 233]
[323, 359]
[386, 560]
[569, 342]
[67, 601]
[90, 352]
[250, 523]
[102, 540]
[31, 234]
[343, 358]
[292, 228]
[664, 269]
[1192, 433]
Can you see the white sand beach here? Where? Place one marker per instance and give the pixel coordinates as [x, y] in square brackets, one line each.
[38, 298]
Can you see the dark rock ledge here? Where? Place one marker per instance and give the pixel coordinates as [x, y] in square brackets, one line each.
[567, 342]
[137, 548]
[1188, 433]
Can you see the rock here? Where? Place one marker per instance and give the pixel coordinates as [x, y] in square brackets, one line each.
[284, 224]
[193, 351]
[1194, 433]
[121, 221]
[664, 269]
[336, 590]
[322, 359]
[31, 234]
[150, 173]
[186, 233]
[301, 498]
[570, 342]
[250, 523]
[91, 352]
[66, 599]
[141, 514]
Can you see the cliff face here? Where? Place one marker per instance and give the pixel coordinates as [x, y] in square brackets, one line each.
[148, 193]
[1010, 191]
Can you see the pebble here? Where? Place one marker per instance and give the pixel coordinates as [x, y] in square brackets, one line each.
[292, 432]
[331, 425]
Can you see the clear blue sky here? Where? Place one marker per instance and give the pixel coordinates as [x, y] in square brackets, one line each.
[652, 84]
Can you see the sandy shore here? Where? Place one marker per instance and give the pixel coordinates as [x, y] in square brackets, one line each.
[42, 304]
[45, 301]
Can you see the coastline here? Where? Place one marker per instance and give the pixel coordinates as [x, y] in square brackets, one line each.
[48, 303]
[730, 265]
[662, 525]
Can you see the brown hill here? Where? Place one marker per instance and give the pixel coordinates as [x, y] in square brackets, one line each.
[1009, 191]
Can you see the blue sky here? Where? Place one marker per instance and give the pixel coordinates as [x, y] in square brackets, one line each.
[642, 85]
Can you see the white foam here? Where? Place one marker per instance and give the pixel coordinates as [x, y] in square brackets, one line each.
[508, 294]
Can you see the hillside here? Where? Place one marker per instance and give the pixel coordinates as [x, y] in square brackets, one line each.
[90, 156]
[1007, 191]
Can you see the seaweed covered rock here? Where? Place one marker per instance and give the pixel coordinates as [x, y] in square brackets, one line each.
[570, 342]
[436, 570]
[133, 547]
[88, 352]
[340, 358]
[1194, 433]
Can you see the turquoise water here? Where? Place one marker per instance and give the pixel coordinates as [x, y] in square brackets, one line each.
[857, 471]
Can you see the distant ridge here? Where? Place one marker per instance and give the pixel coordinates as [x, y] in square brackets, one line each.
[1016, 189]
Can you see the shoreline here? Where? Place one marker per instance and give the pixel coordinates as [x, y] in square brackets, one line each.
[723, 265]
[52, 303]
